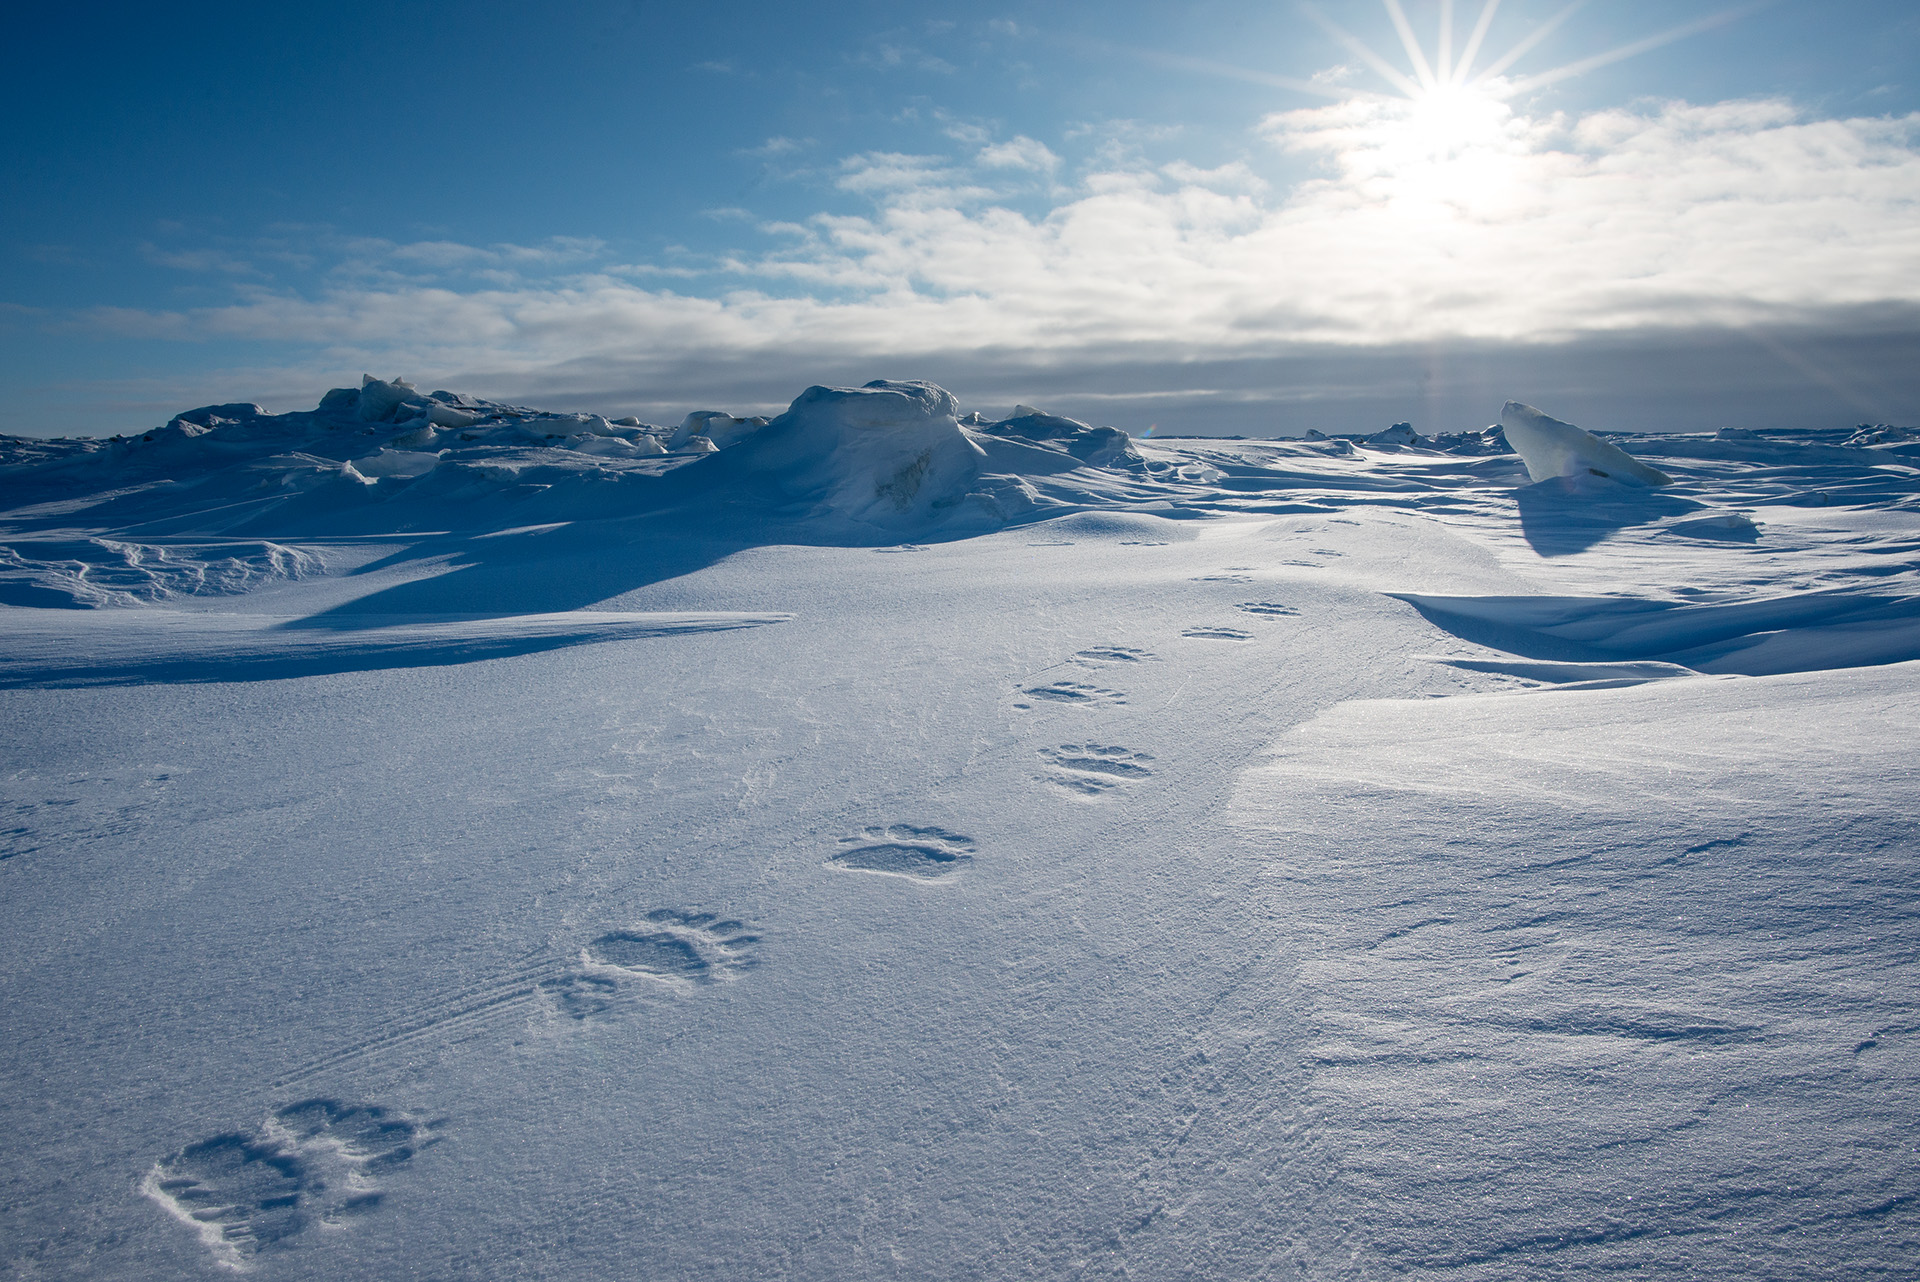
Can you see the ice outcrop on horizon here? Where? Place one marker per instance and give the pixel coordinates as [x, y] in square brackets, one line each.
[719, 428]
[1398, 434]
[379, 399]
[1488, 441]
[384, 457]
[887, 453]
[1868, 435]
[1551, 448]
[1093, 446]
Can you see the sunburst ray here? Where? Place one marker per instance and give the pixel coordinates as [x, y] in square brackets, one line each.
[1386, 70]
[1584, 65]
[1526, 46]
[1464, 67]
[1422, 70]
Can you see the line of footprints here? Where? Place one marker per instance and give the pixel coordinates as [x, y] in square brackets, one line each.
[1091, 771]
[323, 1161]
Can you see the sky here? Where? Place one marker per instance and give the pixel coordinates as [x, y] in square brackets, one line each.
[1209, 218]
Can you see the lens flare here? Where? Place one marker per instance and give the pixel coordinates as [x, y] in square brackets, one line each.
[1445, 136]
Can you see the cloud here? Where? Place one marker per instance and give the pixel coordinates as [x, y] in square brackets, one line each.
[775, 147]
[1468, 229]
[887, 55]
[199, 261]
[1019, 152]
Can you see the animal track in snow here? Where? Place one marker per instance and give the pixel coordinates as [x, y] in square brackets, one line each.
[1105, 654]
[1223, 578]
[1218, 634]
[580, 996]
[1073, 692]
[1093, 770]
[668, 946]
[316, 1162]
[901, 850]
[676, 948]
[1266, 607]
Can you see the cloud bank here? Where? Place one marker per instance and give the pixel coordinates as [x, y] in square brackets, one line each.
[1431, 235]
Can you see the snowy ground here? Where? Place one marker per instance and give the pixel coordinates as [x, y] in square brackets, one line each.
[886, 849]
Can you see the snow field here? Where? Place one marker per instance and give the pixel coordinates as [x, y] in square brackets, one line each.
[1243, 860]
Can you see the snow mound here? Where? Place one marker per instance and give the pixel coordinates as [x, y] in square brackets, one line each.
[390, 462]
[1092, 446]
[1398, 434]
[1486, 442]
[883, 454]
[1727, 526]
[1551, 448]
[1870, 434]
[717, 426]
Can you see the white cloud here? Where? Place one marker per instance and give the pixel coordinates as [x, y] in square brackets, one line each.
[1019, 152]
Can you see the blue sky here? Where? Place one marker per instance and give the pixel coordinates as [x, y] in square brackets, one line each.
[1208, 217]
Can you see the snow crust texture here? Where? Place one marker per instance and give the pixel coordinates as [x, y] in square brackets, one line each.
[456, 841]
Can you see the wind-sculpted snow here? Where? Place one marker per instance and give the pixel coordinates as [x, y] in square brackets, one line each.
[139, 647]
[1799, 633]
[885, 840]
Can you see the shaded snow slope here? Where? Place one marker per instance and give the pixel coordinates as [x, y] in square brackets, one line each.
[888, 842]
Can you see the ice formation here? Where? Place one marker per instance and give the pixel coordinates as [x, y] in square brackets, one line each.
[717, 426]
[886, 453]
[1551, 448]
[1398, 434]
[1096, 446]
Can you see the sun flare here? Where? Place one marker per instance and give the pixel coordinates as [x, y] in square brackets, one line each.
[1450, 118]
[1447, 132]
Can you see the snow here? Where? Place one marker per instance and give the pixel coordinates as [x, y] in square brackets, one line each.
[904, 843]
[392, 462]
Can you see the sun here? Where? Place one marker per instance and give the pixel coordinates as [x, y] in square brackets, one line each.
[1450, 89]
[1447, 119]
[1447, 133]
